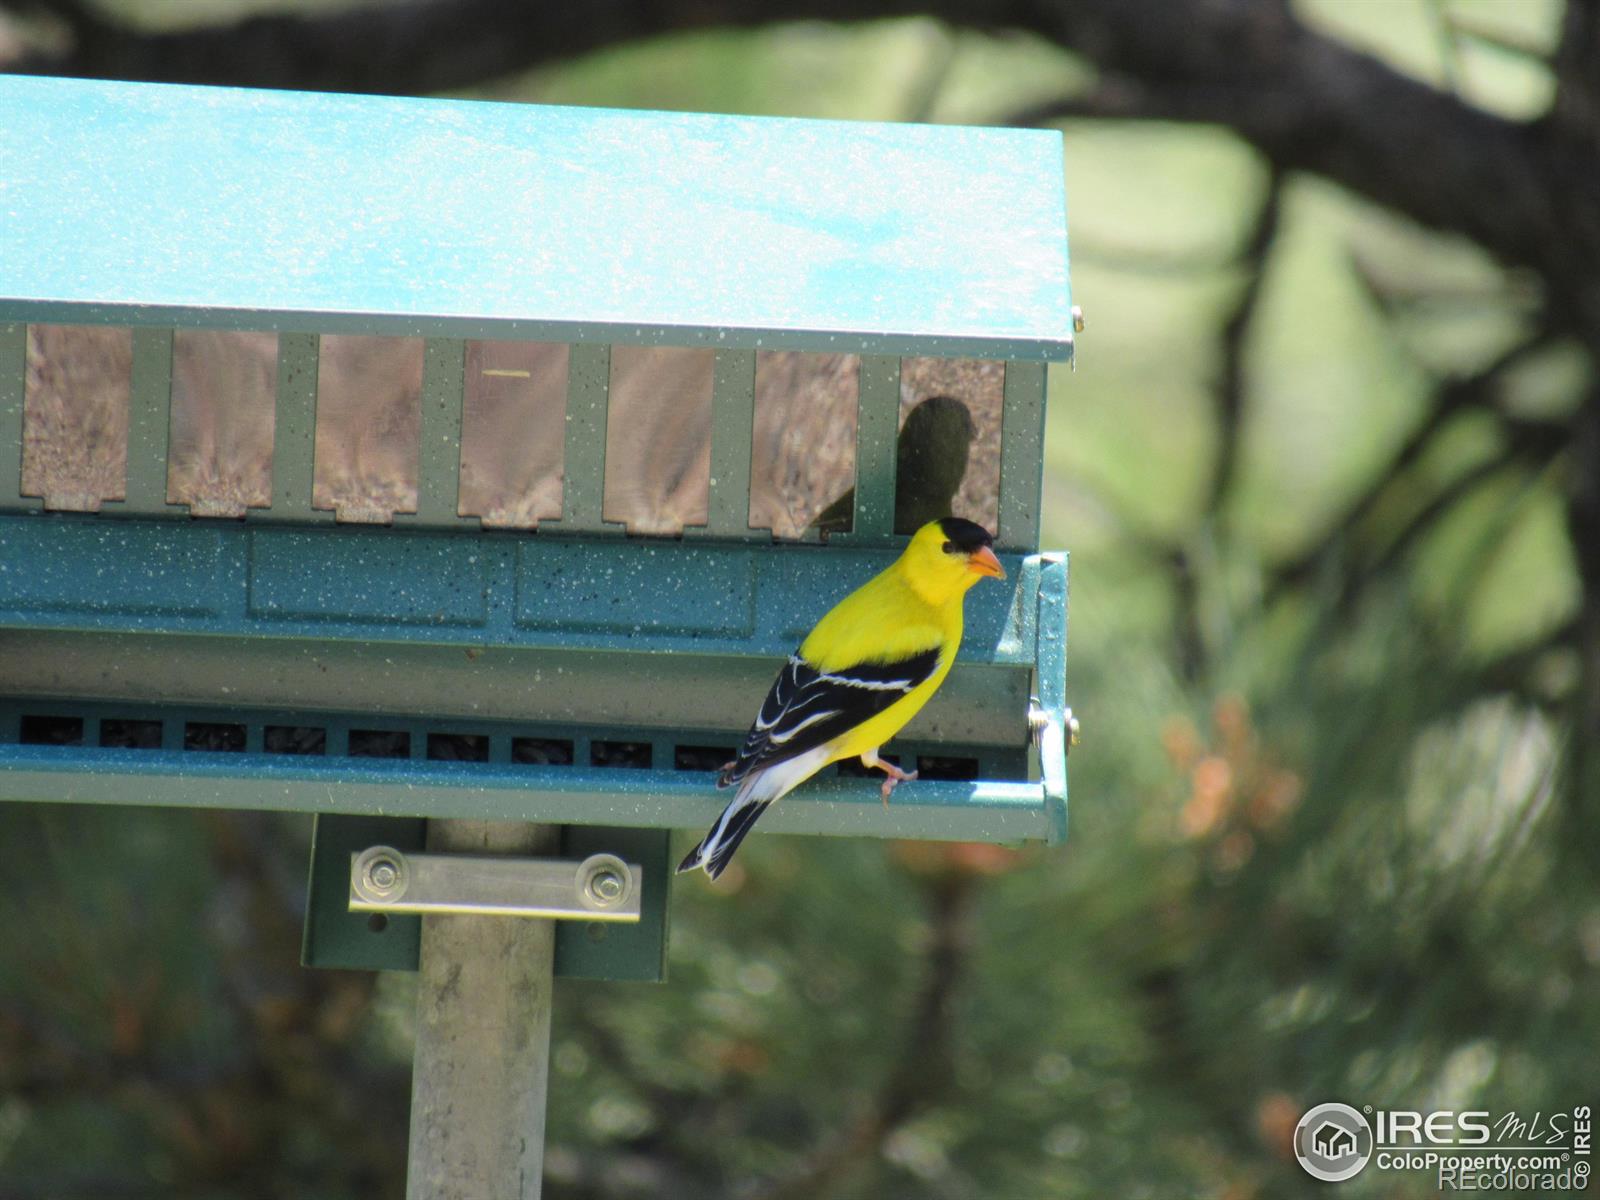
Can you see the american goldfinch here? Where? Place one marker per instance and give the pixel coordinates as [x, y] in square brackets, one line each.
[866, 669]
[930, 463]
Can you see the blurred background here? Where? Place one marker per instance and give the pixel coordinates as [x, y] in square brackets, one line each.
[1329, 472]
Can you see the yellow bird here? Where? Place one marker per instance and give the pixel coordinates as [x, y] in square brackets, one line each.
[866, 669]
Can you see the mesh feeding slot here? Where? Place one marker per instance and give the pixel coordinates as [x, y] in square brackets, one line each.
[294, 739]
[635, 755]
[220, 736]
[701, 758]
[549, 752]
[458, 747]
[128, 733]
[943, 766]
[380, 743]
[39, 729]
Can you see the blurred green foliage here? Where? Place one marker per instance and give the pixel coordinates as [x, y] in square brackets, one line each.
[1315, 852]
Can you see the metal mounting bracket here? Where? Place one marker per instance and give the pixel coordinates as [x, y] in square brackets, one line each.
[599, 888]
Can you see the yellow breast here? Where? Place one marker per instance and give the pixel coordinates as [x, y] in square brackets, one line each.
[884, 620]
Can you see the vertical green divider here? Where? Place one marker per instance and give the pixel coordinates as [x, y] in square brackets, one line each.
[584, 469]
[294, 432]
[149, 422]
[1022, 456]
[439, 463]
[13, 390]
[877, 423]
[733, 414]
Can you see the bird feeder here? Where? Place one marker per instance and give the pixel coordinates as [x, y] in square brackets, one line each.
[381, 638]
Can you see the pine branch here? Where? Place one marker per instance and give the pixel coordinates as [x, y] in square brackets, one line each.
[923, 1067]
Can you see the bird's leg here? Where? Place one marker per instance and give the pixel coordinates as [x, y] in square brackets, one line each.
[896, 776]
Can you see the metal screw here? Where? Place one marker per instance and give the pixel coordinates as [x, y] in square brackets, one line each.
[1077, 319]
[383, 874]
[379, 874]
[1038, 721]
[604, 880]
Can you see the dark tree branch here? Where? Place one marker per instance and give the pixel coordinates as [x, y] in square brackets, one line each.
[1516, 672]
[1576, 111]
[1476, 392]
[1533, 446]
[1229, 392]
[1230, 388]
[405, 47]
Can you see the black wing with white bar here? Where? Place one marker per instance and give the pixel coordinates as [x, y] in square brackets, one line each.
[807, 707]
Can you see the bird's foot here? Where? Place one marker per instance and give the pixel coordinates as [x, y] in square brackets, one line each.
[894, 778]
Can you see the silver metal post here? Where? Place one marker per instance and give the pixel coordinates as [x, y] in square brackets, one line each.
[483, 1036]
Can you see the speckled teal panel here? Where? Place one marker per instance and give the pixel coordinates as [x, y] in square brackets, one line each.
[152, 204]
[374, 585]
[636, 588]
[51, 565]
[407, 580]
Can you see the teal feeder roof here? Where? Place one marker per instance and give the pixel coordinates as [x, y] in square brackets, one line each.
[221, 207]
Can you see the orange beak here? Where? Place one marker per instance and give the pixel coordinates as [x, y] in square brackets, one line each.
[983, 562]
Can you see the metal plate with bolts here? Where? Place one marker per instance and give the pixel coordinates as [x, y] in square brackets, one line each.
[388, 941]
[601, 887]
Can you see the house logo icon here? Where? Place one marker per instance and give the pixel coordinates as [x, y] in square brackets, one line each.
[1333, 1142]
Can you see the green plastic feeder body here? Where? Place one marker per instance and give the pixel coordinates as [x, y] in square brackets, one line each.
[161, 209]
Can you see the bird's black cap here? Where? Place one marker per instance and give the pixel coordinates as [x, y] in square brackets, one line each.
[963, 535]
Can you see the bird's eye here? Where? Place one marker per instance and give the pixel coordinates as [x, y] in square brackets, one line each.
[949, 547]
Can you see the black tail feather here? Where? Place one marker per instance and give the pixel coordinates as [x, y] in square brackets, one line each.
[728, 832]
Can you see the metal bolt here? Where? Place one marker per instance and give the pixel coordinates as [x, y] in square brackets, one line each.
[382, 874]
[1038, 721]
[603, 879]
[1077, 319]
